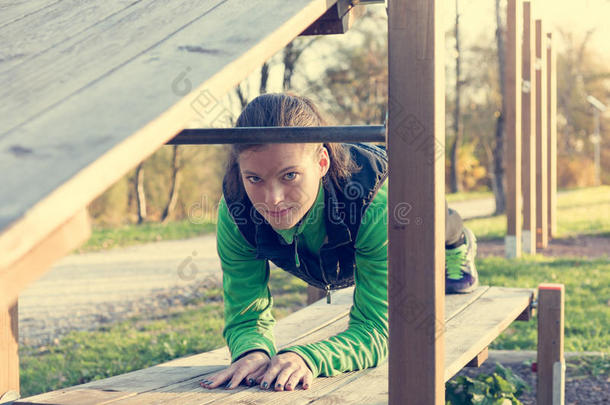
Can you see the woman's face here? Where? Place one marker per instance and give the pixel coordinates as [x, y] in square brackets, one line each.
[282, 180]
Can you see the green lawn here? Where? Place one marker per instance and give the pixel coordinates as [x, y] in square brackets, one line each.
[584, 211]
[587, 299]
[108, 238]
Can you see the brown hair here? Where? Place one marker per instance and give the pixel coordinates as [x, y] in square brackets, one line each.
[284, 110]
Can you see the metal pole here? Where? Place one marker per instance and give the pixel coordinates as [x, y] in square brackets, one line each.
[257, 135]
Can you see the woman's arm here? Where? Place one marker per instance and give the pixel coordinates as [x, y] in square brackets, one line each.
[247, 299]
[364, 343]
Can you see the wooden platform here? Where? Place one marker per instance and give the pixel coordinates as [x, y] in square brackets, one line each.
[473, 321]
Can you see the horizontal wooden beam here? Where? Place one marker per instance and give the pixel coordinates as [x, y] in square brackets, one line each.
[68, 236]
[352, 133]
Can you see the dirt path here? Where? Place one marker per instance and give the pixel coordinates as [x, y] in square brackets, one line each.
[83, 291]
[581, 246]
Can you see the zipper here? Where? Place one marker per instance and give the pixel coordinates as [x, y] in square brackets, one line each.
[327, 287]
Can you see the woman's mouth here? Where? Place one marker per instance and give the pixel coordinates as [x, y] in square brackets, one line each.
[277, 214]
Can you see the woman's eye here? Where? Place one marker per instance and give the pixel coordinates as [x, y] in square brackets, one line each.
[290, 176]
[253, 179]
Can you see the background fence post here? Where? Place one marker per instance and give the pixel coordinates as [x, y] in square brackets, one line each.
[551, 60]
[528, 131]
[514, 21]
[551, 364]
[542, 233]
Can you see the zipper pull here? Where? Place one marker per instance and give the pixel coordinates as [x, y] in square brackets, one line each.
[328, 293]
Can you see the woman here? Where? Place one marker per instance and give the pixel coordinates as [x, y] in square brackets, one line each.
[318, 211]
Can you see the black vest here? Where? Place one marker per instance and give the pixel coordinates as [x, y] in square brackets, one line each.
[344, 207]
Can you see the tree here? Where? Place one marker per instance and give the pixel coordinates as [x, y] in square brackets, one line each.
[174, 184]
[498, 151]
[454, 176]
[139, 192]
[354, 89]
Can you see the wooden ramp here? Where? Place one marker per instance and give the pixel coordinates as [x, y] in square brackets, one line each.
[90, 89]
[473, 321]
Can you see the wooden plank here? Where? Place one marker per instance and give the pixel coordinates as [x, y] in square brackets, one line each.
[93, 53]
[189, 392]
[528, 131]
[176, 382]
[475, 328]
[551, 56]
[416, 249]
[75, 397]
[456, 303]
[35, 263]
[78, 168]
[9, 345]
[550, 341]
[512, 122]
[17, 10]
[55, 23]
[542, 239]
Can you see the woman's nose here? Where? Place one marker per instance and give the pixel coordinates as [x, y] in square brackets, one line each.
[275, 195]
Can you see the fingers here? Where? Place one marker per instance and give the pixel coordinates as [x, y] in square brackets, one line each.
[256, 376]
[215, 380]
[237, 371]
[282, 378]
[284, 369]
[307, 380]
[293, 381]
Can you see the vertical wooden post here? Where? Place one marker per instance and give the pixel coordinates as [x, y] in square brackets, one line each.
[9, 356]
[542, 239]
[416, 250]
[551, 60]
[513, 128]
[551, 364]
[528, 131]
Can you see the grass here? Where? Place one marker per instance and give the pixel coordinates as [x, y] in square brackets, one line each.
[108, 238]
[583, 211]
[587, 309]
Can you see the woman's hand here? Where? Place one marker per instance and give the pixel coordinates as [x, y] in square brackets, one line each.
[248, 368]
[288, 370]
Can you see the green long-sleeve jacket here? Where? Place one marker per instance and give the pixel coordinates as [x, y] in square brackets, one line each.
[248, 302]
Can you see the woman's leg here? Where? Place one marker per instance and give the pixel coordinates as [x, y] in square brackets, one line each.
[460, 250]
